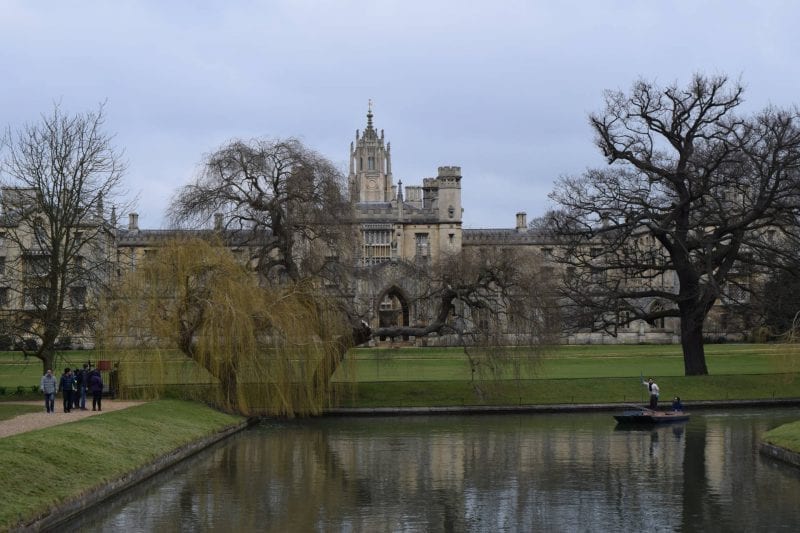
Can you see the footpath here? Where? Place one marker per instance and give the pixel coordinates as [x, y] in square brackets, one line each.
[32, 421]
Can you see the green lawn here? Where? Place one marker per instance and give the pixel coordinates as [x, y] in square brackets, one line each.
[571, 374]
[10, 410]
[436, 364]
[563, 374]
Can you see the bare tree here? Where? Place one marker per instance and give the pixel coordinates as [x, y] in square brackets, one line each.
[695, 201]
[277, 188]
[57, 174]
[490, 302]
[778, 304]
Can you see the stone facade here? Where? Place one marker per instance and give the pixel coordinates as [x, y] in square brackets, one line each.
[420, 223]
[399, 228]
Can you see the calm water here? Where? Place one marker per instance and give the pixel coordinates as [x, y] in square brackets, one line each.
[574, 472]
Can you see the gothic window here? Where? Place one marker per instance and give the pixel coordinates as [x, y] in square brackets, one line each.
[376, 246]
[36, 265]
[370, 163]
[2, 265]
[36, 297]
[39, 232]
[4, 299]
[422, 247]
[657, 307]
[598, 275]
[77, 297]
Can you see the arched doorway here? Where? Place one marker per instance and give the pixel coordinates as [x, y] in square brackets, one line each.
[393, 310]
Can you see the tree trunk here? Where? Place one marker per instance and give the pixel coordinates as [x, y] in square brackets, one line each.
[228, 381]
[694, 356]
[48, 358]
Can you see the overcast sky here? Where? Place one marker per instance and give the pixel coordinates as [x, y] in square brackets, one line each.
[502, 89]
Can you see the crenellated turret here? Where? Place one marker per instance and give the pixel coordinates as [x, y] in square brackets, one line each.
[449, 204]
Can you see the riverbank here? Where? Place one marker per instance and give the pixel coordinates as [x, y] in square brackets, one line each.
[55, 472]
[49, 474]
[783, 443]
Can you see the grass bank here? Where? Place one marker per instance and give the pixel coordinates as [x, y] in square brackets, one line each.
[786, 436]
[45, 468]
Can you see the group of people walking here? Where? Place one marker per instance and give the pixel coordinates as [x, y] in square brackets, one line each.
[73, 386]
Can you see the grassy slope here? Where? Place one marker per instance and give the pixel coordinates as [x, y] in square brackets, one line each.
[786, 436]
[39, 467]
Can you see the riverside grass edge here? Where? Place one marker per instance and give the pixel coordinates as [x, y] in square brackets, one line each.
[115, 451]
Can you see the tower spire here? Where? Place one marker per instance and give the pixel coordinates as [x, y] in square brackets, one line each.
[369, 114]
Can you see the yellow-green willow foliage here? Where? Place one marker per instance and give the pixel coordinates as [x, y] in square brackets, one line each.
[260, 350]
[789, 351]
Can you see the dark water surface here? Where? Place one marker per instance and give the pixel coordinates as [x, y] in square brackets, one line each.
[572, 472]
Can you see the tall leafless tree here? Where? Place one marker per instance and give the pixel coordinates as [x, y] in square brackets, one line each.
[278, 188]
[695, 201]
[58, 176]
[500, 305]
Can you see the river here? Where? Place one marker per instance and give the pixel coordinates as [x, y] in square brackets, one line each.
[520, 472]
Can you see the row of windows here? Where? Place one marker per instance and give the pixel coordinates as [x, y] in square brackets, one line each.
[377, 246]
[34, 297]
[39, 235]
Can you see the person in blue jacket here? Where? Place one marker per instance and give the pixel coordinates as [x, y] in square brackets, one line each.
[677, 406]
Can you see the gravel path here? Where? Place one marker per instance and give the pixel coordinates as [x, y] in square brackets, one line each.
[31, 421]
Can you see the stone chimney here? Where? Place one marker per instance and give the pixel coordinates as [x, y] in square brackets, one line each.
[522, 223]
[133, 221]
[217, 221]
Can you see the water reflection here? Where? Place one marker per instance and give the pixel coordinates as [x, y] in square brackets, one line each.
[474, 473]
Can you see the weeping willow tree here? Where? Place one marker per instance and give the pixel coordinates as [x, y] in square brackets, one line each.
[264, 349]
[789, 352]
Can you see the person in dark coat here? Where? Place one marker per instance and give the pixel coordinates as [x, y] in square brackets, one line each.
[83, 386]
[67, 385]
[96, 388]
[76, 395]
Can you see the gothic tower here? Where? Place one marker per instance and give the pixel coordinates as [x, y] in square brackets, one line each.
[370, 178]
